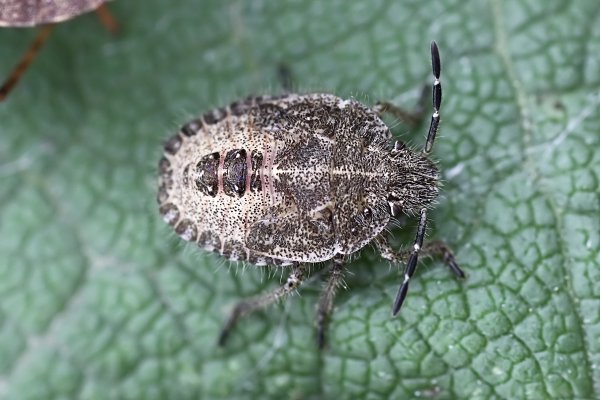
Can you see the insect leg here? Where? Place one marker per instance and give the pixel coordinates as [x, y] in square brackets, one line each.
[386, 251]
[441, 249]
[410, 117]
[437, 248]
[107, 19]
[248, 306]
[326, 301]
[26, 60]
[286, 78]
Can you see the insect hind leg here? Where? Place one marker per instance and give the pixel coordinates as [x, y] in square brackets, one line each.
[250, 305]
[22, 66]
[327, 296]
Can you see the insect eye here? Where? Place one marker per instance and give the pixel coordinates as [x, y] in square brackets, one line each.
[395, 209]
[367, 213]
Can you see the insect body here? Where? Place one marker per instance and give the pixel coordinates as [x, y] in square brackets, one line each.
[296, 180]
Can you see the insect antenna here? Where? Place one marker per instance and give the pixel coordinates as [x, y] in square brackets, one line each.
[436, 66]
[409, 270]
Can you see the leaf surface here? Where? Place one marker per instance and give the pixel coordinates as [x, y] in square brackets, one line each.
[99, 299]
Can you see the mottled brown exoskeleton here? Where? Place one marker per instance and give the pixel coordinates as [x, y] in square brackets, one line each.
[296, 180]
[28, 13]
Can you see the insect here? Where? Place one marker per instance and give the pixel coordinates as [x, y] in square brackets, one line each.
[298, 180]
[27, 13]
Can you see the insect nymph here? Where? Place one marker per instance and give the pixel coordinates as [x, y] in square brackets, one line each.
[297, 180]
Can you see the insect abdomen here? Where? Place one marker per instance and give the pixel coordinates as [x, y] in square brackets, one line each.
[211, 181]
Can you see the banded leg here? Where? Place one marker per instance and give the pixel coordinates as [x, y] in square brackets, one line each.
[437, 248]
[248, 306]
[327, 296]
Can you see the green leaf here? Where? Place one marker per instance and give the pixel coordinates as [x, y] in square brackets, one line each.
[100, 300]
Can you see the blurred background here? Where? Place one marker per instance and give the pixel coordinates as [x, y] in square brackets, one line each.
[100, 300]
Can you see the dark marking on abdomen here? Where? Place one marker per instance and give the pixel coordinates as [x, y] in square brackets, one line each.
[257, 163]
[187, 230]
[173, 144]
[238, 108]
[192, 127]
[169, 213]
[234, 165]
[165, 180]
[207, 174]
[235, 169]
[234, 250]
[210, 240]
[214, 116]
